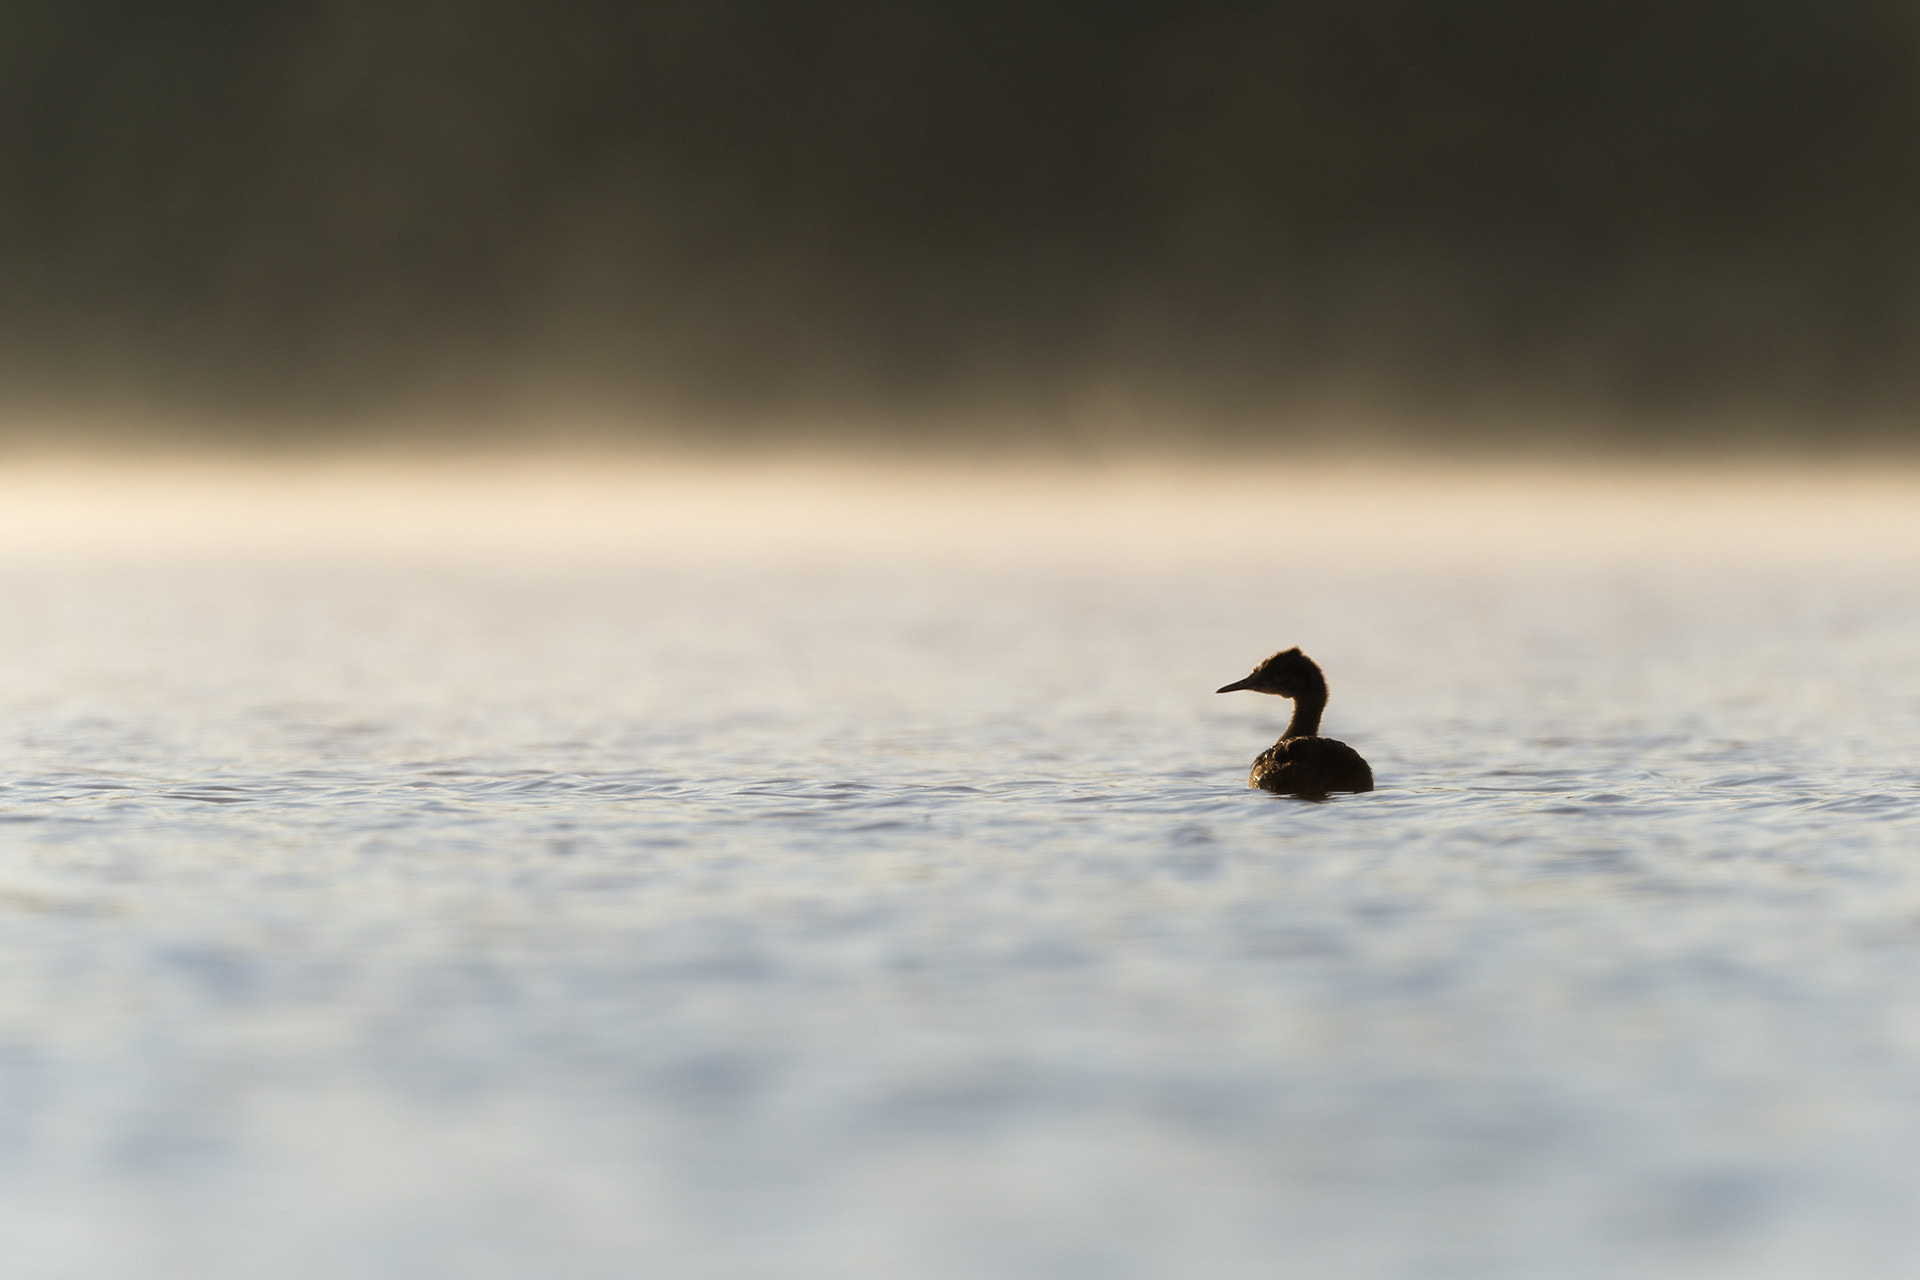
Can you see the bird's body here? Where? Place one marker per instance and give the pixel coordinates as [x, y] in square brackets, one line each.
[1302, 763]
[1310, 767]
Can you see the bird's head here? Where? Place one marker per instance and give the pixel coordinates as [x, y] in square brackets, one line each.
[1286, 674]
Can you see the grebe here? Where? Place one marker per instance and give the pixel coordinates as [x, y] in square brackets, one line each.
[1302, 763]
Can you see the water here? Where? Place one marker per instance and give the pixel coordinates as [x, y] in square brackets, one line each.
[568, 874]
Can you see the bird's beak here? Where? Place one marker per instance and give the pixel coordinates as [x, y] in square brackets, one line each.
[1237, 684]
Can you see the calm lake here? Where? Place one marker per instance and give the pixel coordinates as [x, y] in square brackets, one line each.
[551, 869]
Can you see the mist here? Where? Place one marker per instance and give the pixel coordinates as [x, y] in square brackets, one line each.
[1626, 222]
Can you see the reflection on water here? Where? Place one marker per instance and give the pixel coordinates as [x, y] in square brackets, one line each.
[669, 874]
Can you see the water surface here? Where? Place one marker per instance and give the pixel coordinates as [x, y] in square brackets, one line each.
[701, 875]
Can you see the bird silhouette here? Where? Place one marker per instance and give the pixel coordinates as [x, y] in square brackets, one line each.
[1302, 763]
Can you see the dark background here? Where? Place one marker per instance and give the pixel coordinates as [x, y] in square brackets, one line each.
[1644, 219]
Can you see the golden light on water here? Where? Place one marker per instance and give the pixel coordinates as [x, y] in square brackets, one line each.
[623, 505]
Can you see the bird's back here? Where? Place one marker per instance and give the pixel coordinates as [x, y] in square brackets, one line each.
[1310, 766]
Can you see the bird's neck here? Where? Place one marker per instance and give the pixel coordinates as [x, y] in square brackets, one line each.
[1306, 713]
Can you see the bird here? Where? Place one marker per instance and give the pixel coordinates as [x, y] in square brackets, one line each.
[1302, 763]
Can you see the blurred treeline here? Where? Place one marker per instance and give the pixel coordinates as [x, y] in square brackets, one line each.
[1652, 213]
